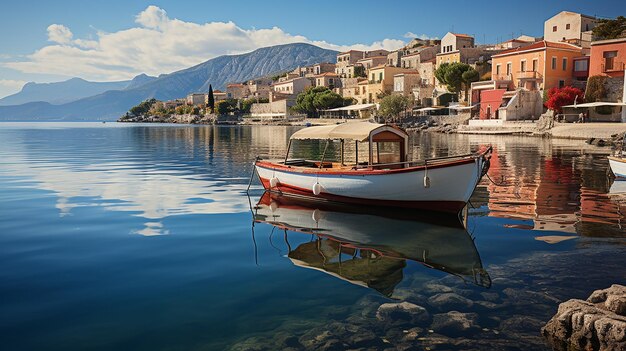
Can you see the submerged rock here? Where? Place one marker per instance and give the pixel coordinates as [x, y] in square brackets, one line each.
[448, 301]
[391, 312]
[590, 325]
[455, 322]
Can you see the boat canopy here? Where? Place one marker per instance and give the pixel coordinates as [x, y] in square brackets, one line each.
[359, 131]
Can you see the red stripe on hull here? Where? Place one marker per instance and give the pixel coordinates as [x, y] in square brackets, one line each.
[442, 206]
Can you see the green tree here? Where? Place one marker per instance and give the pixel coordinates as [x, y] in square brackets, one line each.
[451, 74]
[211, 102]
[610, 29]
[312, 100]
[359, 71]
[468, 77]
[392, 105]
[142, 108]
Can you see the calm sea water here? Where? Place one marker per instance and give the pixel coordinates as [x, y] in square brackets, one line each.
[141, 237]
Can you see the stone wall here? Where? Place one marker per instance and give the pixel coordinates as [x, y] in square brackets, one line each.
[525, 105]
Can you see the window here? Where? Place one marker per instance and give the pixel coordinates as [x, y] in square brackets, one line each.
[523, 66]
[373, 77]
[609, 59]
[581, 65]
[554, 28]
[561, 83]
[508, 69]
[535, 62]
[497, 69]
[554, 63]
[567, 26]
[565, 63]
[380, 76]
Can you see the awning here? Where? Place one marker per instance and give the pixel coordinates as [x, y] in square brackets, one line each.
[276, 114]
[597, 104]
[357, 107]
[359, 131]
[430, 109]
[458, 107]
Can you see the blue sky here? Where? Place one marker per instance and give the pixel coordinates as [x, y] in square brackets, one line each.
[108, 41]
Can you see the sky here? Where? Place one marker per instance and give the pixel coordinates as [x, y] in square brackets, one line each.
[47, 41]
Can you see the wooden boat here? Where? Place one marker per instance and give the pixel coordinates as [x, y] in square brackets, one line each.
[386, 178]
[618, 166]
[377, 241]
[617, 161]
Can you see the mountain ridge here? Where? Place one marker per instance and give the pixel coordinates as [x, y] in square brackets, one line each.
[217, 71]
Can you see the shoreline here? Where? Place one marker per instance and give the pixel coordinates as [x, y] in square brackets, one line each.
[604, 133]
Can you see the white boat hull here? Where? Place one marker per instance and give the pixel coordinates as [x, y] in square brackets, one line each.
[447, 187]
[618, 166]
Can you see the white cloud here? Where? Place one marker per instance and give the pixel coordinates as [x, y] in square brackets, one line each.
[158, 44]
[59, 33]
[411, 35]
[9, 86]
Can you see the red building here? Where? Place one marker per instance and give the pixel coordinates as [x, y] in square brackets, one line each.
[608, 57]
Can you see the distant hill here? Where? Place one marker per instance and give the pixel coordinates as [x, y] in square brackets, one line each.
[218, 71]
[139, 80]
[61, 92]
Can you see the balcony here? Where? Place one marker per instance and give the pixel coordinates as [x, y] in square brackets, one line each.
[502, 77]
[530, 75]
[615, 66]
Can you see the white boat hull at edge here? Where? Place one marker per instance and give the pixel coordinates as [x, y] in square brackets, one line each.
[618, 166]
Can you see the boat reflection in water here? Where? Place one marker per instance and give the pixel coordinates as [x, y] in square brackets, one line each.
[370, 249]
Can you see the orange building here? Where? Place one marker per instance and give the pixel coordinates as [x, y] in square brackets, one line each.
[542, 65]
[608, 57]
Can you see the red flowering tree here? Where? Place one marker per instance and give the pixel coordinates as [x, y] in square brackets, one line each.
[559, 97]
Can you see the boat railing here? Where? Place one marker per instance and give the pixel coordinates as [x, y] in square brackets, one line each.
[424, 162]
[365, 165]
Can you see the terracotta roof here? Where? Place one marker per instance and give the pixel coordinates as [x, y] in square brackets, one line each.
[462, 35]
[363, 82]
[234, 85]
[539, 45]
[379, 66]
[372, 57]
[347, 52]
[327, 74]
[218, 92]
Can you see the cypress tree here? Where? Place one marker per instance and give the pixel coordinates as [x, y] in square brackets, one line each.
[211, 99]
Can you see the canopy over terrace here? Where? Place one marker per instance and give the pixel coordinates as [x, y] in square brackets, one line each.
[614, 114]
[346, 110]
[374, 133]
[597, 104]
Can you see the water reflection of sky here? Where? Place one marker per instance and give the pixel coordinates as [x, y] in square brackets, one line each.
[155, 172]
[70, 194]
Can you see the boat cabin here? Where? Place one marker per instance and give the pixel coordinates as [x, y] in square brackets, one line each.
[387, 145]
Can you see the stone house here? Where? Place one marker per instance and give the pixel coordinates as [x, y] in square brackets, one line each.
[237, 91]
[196, 99]
[571, 27]
[380, 81]
[404, 83]
[372, 61]
[327, 79]
[292, 86]
[539, 66]
[414, 59]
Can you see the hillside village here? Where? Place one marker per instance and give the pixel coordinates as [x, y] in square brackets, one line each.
[490, 84]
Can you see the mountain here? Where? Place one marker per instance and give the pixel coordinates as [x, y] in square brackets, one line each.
[139, 80]
[218, 71]
[61, 92]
